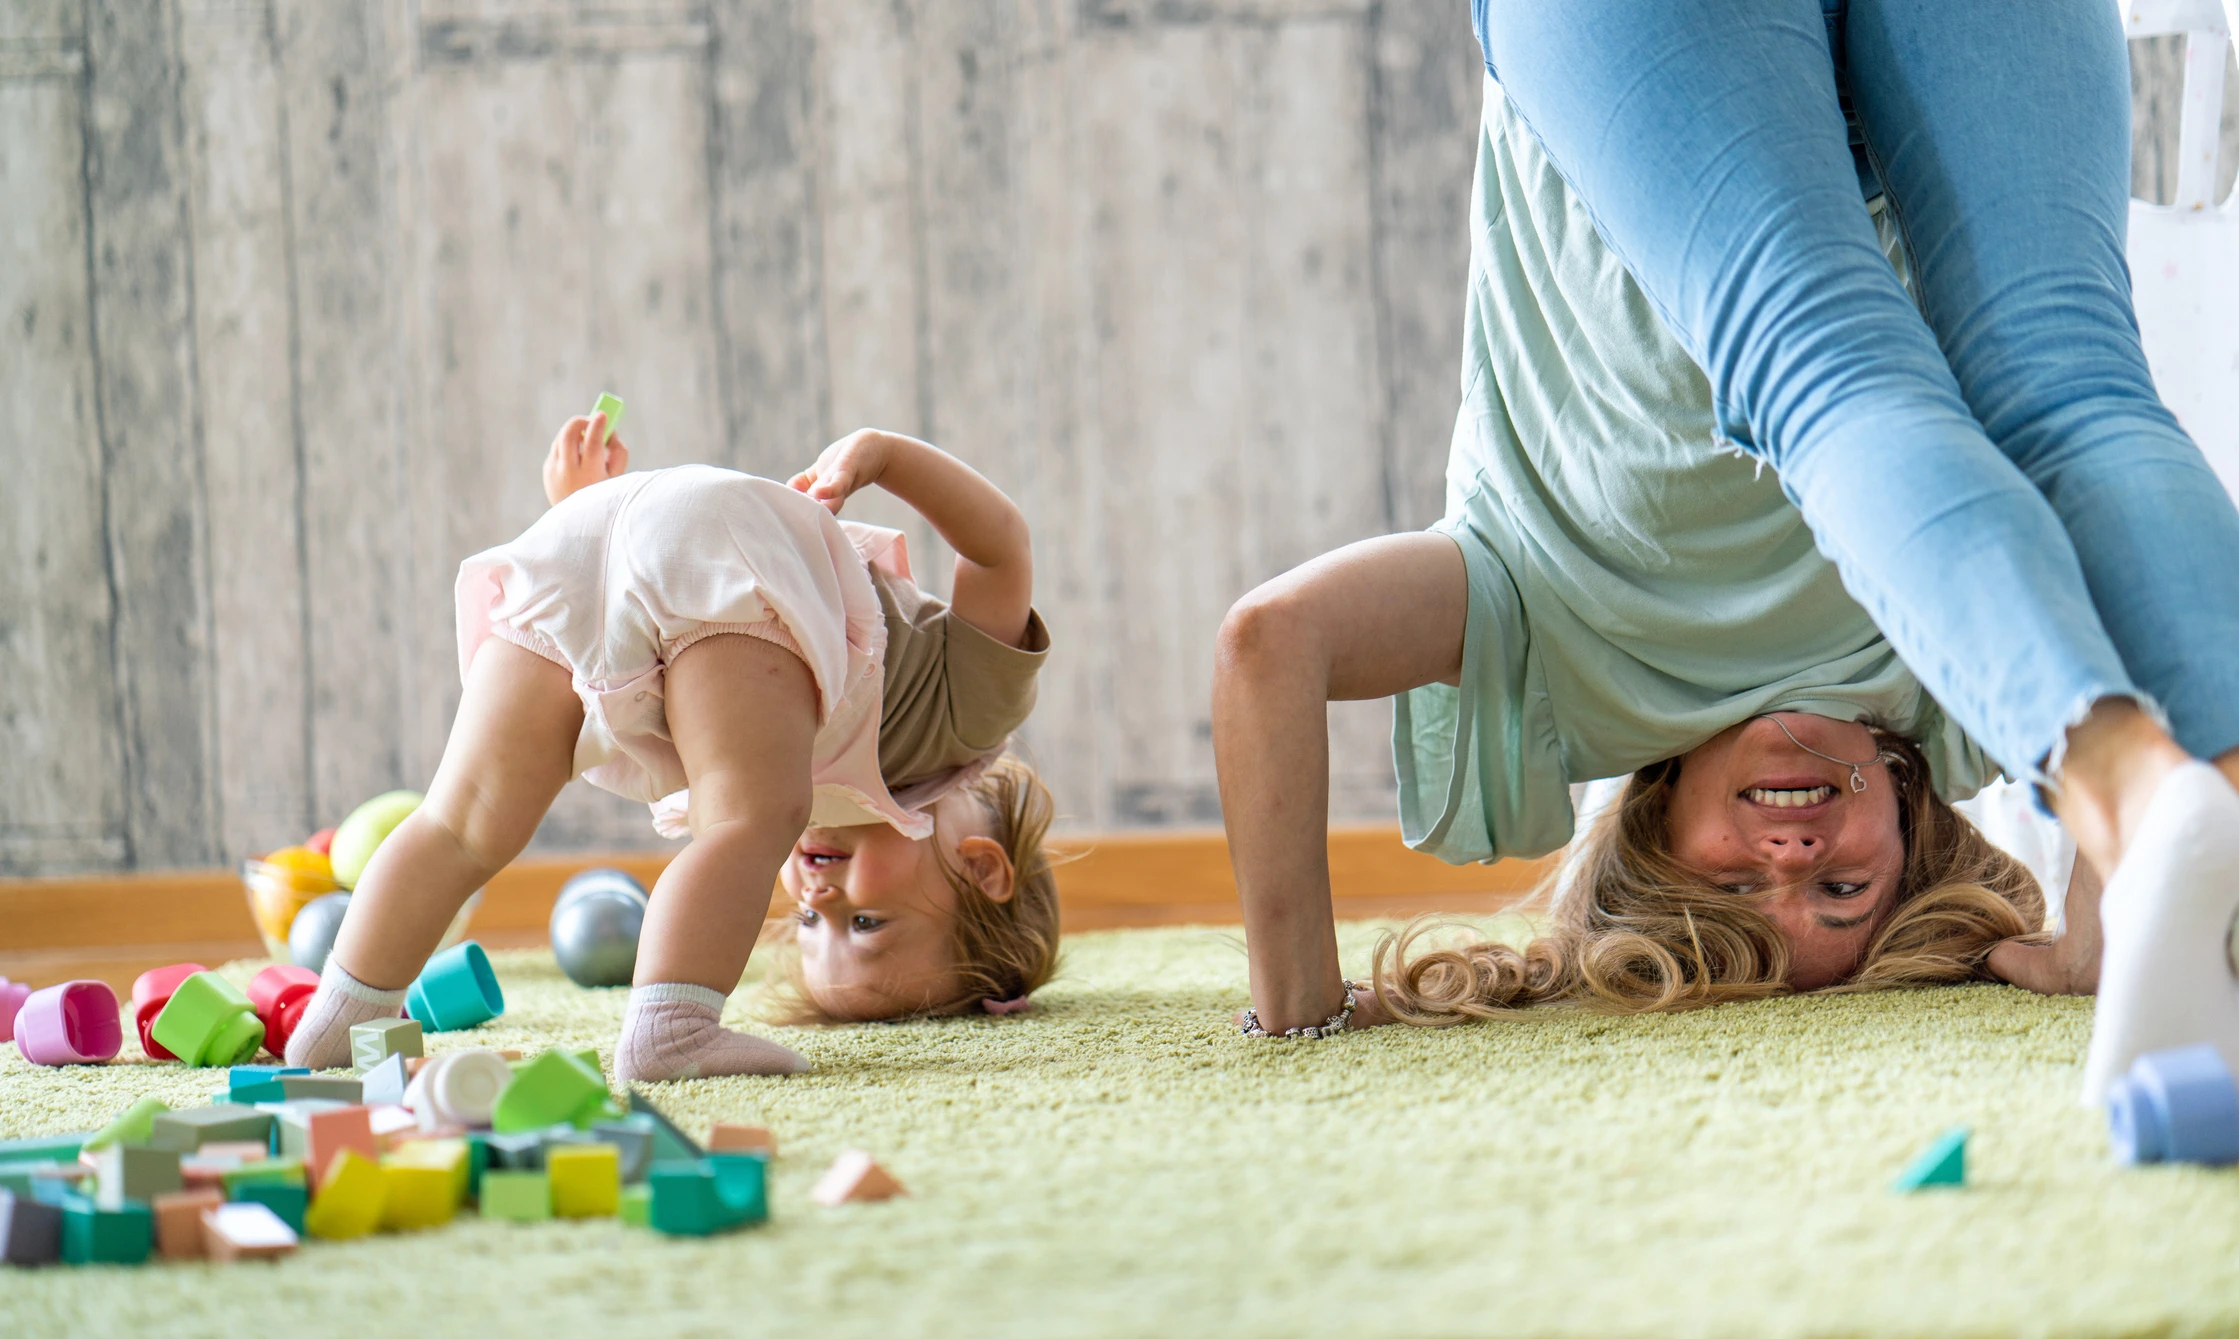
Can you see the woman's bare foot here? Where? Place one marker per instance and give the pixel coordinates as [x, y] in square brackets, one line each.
[2068, 965]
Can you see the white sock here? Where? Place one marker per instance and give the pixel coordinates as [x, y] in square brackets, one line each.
[2165, 975]
[321, 1039]
[675, 1031]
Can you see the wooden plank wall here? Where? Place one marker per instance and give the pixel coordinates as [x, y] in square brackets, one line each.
[294, 292]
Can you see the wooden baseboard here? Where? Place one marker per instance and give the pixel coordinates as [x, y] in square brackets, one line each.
[112, 929]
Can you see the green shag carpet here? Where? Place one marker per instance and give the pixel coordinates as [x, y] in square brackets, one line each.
[1119, 1162]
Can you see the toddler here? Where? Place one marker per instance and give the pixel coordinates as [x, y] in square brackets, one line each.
[770, 679]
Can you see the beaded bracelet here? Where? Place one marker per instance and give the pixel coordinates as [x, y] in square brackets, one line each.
[1330, 1027]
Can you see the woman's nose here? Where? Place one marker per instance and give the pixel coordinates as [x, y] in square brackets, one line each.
[1791, 852]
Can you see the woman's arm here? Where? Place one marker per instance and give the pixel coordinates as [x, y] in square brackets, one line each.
[583, 454]
[2069, 965]
[994, 588]
[1370, 620]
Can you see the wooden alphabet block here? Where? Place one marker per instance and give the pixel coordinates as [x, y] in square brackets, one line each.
[371, 1043]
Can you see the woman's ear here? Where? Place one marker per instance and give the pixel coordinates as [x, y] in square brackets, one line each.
[988, 866]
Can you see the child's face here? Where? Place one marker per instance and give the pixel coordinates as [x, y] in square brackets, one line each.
[873, 909]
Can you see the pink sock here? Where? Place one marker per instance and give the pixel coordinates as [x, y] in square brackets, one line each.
[675, 1031]
[321, 1039]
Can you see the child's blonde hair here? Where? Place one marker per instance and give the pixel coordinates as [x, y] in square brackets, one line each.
[1639, 932]
[1005, 950]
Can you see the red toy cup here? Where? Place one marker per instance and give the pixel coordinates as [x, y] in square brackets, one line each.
[280, 995]
[12, 996]
[150, 993]
[74, 1023]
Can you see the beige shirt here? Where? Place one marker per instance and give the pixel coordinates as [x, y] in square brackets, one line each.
[953, 694]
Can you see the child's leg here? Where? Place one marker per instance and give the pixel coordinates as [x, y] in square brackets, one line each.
[1370, 620]
[743, 713]
[512, 748]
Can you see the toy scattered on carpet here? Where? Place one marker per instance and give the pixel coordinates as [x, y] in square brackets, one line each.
[1943, 1163]
[595, 926]
[2178, 1105]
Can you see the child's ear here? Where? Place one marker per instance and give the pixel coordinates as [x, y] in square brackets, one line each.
[988, 866]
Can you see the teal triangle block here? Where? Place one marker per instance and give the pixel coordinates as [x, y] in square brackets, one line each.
[1943, 1163]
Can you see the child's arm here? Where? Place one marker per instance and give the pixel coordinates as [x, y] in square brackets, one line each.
[994, 589]
[583, 454]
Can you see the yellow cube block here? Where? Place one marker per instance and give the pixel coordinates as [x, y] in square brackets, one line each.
[417, 1197]
[447, 1155]
[350, 1198]
[586, 1179]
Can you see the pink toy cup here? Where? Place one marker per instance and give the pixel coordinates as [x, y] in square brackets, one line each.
[12, 996]
[150, 993]
[74, 1023]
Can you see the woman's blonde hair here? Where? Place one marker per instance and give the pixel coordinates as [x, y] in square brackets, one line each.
[1004, 950]
[1637, 931]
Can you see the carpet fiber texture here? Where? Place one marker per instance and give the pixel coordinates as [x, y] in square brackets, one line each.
[1118, 1162]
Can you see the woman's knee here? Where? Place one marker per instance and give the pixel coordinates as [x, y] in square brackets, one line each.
[1272, 626]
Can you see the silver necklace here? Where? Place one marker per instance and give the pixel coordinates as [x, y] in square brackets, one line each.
[1857, 778]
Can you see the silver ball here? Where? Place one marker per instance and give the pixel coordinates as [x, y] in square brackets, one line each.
[311, 934]
[595, 926]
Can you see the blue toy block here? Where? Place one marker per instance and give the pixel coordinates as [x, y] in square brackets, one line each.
[241, 1076]
[95, 1236]
[2177, 1105]
[1943, 1163]
[45, 1148]
[253, 1094]
[719, 1192]
[287, 1200]
[30, 1231]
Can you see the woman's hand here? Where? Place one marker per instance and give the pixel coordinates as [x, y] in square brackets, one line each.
[2068, 965]
[1368, 1009]
[583, 454]
[852, 463]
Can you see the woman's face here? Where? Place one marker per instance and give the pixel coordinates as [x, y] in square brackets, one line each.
[1759, 815]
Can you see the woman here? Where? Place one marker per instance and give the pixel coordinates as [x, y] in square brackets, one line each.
[1809, 470]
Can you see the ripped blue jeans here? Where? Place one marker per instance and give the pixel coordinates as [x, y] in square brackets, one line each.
[1990, 469]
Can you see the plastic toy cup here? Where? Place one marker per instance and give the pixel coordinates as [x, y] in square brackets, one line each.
[456, 990]
[2178, 1105]
[150, 992]
[209, 1022]
[280, 995]
[458, 1089]
[12, 996]
[74, 1023]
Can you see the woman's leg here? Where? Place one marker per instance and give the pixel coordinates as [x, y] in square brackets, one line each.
[1370, 620]
[743, 713]
[512, 748]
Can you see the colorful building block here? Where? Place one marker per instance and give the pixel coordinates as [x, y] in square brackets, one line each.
[348, 1090]
[233, 1232]
[724, 1137]
[1943, 1163]
[416, 1197]
[348, 1203]
[178, 1222]
[280, 995]
[456, 990]
[92, 1235]
[135, 1126]
[74, 1023]
[515, 1152]
[209, 1021]
[550, 1090]
[384, 1083]
[45, 1147]
[288, 1200]
[610, 405]
[670, 1144]
[133, 1172]
[327, 1133]
[274, 1171]
[855, 1178]
[517, 1196]
[189, 1128]
[242, 1076]
[586, 1179]
[636, 1208]
[634, 1143]
[371, 1043]
[449, 1156]
[291, 1124]
[151, 990]
[714, 1194]
[256, 1094]
[30, 1231]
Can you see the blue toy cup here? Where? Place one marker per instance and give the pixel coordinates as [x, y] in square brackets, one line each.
[456, 990]
[2178, 1105]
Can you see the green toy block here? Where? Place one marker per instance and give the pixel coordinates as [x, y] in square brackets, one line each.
[720, 1192]
[522, 1152]
[1943, 1163]
[45, 1147]
[186, 1130]
[92, 1235]
[670, 1144]
[209, 1022]
[271, 1172]
[347, 1090]
[16, 1177]
[637, 1204]
[288, 1200]
[610, 405]
[252, 1094]
[549, 1090]
[133, 1172]
[133, 1127]
[517, 1196]
[371, 1043]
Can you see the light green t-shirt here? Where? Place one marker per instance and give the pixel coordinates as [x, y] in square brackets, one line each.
[1636, 584]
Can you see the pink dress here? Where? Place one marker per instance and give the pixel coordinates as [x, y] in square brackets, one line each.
[620, 577]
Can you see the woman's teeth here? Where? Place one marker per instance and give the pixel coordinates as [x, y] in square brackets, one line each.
[1790, 799]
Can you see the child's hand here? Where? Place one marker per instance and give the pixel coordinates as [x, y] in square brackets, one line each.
[574, 463]
[855, 461]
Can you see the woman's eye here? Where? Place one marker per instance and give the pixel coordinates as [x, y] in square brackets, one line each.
[1739, 889]
[1843, 889]
[865, 924]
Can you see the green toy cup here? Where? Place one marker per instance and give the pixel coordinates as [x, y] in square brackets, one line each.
[456, 990]
[209, 1022]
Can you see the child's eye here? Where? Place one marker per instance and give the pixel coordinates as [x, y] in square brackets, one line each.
[805, 916]
[865, 924]
[1843, 889]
